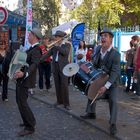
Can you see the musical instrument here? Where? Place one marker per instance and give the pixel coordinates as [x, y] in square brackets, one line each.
[17, 62]
[70, 69]
[95, 86]
[89, 80]
[55, 42]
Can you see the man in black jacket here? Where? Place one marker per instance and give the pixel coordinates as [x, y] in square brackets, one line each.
[60, 54]
[26, 78]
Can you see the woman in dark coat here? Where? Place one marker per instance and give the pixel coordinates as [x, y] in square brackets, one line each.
[5, 68]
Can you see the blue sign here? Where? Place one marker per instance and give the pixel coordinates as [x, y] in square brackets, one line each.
[77, 35]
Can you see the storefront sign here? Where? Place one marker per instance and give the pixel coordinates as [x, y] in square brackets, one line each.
[3, 15]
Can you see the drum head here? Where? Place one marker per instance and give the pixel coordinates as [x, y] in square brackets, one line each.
[96, 85]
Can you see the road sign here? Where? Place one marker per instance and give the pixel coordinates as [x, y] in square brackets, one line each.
[3, 15]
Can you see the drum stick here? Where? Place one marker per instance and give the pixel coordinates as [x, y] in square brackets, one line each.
[94, 98]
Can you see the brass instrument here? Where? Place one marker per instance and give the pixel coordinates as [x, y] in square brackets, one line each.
[65, 38]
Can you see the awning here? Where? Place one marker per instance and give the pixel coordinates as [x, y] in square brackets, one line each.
[65, 26]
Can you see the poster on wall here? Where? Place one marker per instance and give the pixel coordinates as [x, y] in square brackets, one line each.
[4, 39]
[20, 32]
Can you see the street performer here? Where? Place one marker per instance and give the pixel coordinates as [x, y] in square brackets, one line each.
[26, 79]
[60, 53]
[106, 58]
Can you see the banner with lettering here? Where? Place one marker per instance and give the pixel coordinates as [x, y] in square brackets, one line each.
[77, 35]
[28, 23]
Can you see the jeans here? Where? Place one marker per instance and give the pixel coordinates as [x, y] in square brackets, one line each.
[129, 76]
[44, 72]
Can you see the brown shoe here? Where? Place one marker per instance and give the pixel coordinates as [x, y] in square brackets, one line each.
[24, 133]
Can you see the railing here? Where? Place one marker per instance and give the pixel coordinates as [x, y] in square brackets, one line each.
[130, 28]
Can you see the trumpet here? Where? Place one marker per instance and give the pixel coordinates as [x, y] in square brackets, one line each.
[65, 38]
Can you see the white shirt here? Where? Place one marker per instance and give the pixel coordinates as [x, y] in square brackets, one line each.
[103, 54]
[34, 44]
[83, 52]
[108, 84]
[56, 59]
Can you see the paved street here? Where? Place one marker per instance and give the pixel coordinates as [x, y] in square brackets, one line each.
[52, 123]
[100, 39]
[128, 123]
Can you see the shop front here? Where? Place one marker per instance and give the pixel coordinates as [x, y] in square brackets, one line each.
[12, 31]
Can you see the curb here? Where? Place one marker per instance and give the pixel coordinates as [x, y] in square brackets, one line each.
[73, 115]
[77, 117]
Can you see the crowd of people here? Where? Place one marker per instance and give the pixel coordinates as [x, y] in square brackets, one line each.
[49, 55]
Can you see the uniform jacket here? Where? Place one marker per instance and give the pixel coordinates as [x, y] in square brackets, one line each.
[33, 59]
[63, 55]
[111, 64]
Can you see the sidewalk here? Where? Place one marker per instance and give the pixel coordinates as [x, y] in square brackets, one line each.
[128, 123]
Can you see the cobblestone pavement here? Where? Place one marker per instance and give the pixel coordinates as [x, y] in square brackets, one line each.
[52, 124]
[128, 123]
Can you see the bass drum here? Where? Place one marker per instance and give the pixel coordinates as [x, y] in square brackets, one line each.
[83, 79]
